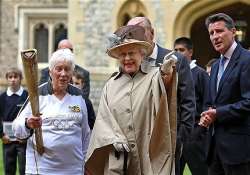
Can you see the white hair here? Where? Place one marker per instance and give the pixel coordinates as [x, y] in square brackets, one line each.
[62, 55]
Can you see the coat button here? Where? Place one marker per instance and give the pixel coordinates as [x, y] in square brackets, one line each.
[130, 127]
[132, 145]
[128, 110]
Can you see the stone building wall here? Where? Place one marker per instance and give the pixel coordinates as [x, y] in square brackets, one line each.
[9, 36]
[97, 24]
[9, 33]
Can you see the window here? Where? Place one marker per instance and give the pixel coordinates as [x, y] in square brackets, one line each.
[40, 28]
[59, 34]
[41, 42]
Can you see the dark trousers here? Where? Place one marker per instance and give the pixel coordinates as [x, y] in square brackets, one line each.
[217, 167]
[194, 155]
[194, 152]
[178, 153]
[12, 152]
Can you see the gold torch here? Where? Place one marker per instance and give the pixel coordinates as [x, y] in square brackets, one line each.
[29, 59]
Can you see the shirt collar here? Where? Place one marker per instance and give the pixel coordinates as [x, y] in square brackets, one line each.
[9, 92]
[230, 51]
[154, 53]
[192, 64]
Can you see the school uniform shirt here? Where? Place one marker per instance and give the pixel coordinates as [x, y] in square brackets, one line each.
[65, 133]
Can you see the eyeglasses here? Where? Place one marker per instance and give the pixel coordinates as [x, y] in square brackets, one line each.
[131, 54]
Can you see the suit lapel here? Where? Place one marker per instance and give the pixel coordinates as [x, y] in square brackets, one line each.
[213, 79]
[232, 63]
[160, 55]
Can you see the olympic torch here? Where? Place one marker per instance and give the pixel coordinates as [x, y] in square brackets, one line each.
[29, 59]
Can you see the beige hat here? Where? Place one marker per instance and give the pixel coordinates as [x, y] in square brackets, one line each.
[128, 35]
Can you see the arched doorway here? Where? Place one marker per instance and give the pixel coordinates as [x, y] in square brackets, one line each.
[130, 9]
[203, 49]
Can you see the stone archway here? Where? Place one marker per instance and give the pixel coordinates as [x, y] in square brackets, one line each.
[130, 9]
[190, 23]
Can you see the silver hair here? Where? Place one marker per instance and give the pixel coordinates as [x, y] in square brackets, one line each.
[62, 55]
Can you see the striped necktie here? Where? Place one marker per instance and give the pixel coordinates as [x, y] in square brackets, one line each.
[221, 69]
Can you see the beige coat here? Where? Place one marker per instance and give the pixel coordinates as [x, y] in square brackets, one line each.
[134, 110]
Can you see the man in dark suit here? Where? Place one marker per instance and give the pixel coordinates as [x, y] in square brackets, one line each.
[45, 72]
[185, 88]
[228, 115]
[193, 148]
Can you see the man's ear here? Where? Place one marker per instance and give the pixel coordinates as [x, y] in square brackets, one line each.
[153, 33]
[233, 31]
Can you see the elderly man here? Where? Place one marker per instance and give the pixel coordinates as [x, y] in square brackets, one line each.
[135, 130]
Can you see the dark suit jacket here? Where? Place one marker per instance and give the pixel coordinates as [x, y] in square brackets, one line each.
[185, 94]
[86, 89]
[232, 103]
[201, 83]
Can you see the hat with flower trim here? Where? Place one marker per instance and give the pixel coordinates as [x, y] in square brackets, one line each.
[127, 35]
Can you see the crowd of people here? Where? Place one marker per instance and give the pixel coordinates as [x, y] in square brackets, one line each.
[158, 113]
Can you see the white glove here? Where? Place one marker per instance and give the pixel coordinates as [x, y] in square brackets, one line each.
[168, 62]
[120, 147]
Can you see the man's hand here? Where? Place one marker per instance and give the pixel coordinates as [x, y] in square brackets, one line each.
[5, 139]
[34, 122]
[120, 147]
[207, 117]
